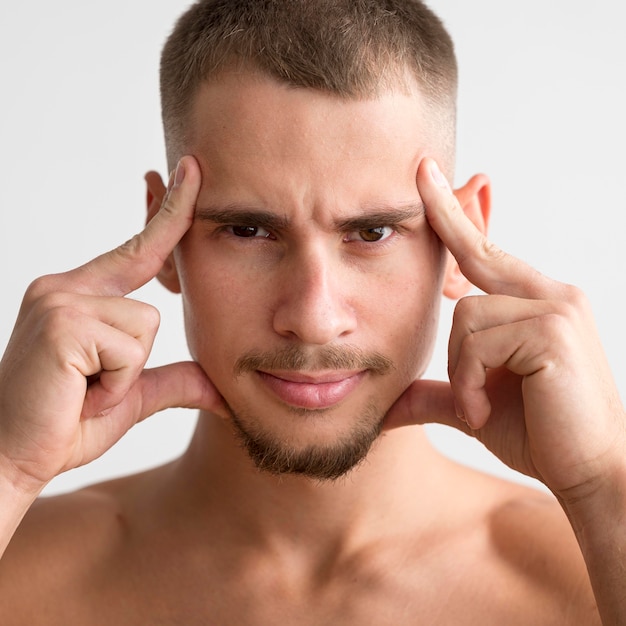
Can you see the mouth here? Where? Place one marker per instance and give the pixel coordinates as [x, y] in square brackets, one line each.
[312, 390]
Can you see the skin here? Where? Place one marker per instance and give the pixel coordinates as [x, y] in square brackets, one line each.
[313, 282]
[407, 537]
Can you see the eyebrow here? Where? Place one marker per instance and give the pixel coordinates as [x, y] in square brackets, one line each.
[371, 217]
[238, 214]
[382, 216]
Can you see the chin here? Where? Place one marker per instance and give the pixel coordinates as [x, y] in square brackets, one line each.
[311, 452]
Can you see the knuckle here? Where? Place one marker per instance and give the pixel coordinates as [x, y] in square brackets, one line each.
[489, 250]
[479, 250]
[469, 346]
[575, 297]
[50, 301]
[453, 207]
[168, 207]
[131, 249]
[137, 355]
[40, 287]
[555, 326]
[56, 322]
[573, 304]
[60, 315]
[559, 343]
[150, 318]
[466, 308]
[138, 249]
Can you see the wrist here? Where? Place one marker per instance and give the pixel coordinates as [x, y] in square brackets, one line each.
[16, 497]
[602, 481]
[597, 505]
[597, 513]
[17, 485]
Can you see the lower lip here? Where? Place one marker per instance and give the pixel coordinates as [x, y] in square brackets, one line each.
[310, 395]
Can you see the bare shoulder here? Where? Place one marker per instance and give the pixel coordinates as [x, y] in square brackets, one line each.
[536, 549]
[57, 550]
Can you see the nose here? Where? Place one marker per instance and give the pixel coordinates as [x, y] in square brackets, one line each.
[314, 304]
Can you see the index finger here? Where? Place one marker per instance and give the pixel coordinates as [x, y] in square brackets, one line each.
[134, 263]
[482, 263]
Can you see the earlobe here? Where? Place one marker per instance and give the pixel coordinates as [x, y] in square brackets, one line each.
[155, 194]
[475, 199]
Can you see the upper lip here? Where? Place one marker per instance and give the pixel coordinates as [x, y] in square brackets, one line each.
[313, 378]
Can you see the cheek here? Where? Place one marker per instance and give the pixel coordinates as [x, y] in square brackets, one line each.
[228, 303]
[223, 308]
[412, 326]
[409, 314]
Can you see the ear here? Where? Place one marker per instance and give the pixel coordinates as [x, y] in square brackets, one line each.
[475, 199]
[156, 190]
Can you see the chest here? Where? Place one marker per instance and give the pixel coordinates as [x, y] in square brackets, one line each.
[166, 587]
[408, 595]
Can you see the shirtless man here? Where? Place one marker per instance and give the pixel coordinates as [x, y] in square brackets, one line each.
[309, 226]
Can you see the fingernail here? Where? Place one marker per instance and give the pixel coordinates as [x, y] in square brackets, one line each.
[438, 177]
[180, 174]
[170, 181]
[459, 413]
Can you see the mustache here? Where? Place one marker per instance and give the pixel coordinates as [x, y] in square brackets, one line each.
[345, 357]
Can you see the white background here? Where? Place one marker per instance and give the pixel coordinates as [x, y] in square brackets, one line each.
[542, 104]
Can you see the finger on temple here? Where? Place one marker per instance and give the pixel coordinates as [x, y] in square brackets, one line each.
[483, 264]
[134, 263]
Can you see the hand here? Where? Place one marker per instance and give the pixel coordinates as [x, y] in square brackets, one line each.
[528, 376]
[72, 380]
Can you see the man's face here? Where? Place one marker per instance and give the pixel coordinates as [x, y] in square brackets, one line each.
[310, 277]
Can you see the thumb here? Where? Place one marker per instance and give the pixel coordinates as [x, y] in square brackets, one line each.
[425, 402]
[434, 188]
[131, 265]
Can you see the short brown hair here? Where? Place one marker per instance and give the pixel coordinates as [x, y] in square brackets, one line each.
[350, 48]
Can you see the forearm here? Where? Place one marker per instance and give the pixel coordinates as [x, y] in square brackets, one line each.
[14, 503]
[599, 521]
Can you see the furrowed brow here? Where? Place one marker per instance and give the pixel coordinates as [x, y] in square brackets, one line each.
[371, 217]
[382, 216]
[237, 214]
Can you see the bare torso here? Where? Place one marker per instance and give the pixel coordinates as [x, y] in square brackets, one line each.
[116, 554]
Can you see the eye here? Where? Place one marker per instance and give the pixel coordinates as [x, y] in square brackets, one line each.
[247, 231]
[370, 235]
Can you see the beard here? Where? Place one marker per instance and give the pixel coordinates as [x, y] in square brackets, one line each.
[277, 455]
[318, 461]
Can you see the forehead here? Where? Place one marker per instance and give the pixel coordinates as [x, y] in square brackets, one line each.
[254, 135]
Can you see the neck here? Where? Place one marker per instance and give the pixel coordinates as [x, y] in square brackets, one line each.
[400, 479]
